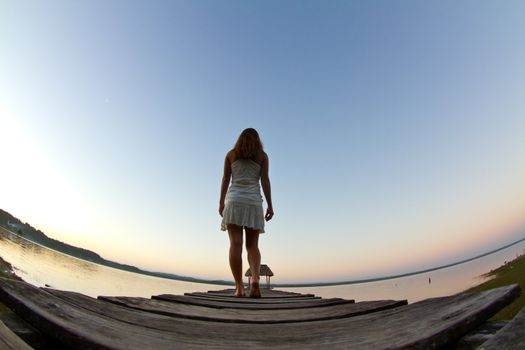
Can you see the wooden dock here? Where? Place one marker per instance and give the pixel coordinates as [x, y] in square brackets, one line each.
[218, 320]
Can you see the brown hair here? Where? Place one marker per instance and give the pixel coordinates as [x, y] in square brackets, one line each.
[248, 145]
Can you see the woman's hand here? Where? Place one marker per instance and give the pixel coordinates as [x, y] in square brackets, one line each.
[269, 214]
[221, 208]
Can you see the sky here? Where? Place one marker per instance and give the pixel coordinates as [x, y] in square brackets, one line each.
[395, 129]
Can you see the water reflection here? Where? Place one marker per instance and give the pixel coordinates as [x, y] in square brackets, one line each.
[45, 267]
[445, 281]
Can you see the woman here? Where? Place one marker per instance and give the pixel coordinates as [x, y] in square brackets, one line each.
[241, 207]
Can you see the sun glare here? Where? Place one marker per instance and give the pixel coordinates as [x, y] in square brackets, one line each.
[30, 182]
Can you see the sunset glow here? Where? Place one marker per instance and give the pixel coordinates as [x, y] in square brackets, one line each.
[395, 130]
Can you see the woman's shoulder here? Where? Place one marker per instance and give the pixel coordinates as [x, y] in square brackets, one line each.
[231, 155]
[263, 157]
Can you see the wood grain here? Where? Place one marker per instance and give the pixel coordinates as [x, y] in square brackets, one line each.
[512, 336]
[429, 324]
[248, 315]
[249, 303]
[264, 296]
[9, 340]
[266, 293]
[247, 300]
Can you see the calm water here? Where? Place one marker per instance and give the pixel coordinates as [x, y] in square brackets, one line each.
[42, 266]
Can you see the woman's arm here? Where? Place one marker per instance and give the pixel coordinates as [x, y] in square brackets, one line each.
[225, 182]
[265, 182]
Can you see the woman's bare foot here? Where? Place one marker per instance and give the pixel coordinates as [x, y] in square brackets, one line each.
[255, 291]
[239, 292]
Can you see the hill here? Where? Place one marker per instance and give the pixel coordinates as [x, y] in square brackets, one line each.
[25, 230]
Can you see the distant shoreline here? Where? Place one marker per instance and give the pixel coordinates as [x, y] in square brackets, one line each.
[122, 267]
[280, 285]
[10, 224]
[385, 278]
[28, 233]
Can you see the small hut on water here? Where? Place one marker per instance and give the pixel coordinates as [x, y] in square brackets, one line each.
[263, 271]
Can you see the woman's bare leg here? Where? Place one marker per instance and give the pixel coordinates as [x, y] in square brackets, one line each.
[254, 259]
[235, 233]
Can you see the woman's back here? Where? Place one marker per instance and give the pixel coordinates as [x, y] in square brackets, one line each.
[240, 204]
[245, 171]
[245, 182]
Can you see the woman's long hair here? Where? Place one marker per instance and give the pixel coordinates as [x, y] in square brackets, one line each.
[248, 145]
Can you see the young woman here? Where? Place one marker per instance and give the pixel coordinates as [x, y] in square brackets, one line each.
[241, 207]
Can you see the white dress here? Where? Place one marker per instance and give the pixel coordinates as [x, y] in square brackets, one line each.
[243, 202]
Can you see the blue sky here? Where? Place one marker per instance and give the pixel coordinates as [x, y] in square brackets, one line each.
[394, 128]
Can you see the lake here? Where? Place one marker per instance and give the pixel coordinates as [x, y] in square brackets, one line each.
[42, 266]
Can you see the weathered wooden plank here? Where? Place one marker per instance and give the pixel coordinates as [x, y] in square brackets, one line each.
[272, 290]
[429, 324]
[264, 296]
[80, 328]
[266, 293]
[30, 335]
[240, 315]
[9, 340]
[250, 303]
[512, 336]
[247, 300]
[473, 339]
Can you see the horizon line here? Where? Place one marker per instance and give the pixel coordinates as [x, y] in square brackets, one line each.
[191, 279]
[384, 278]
